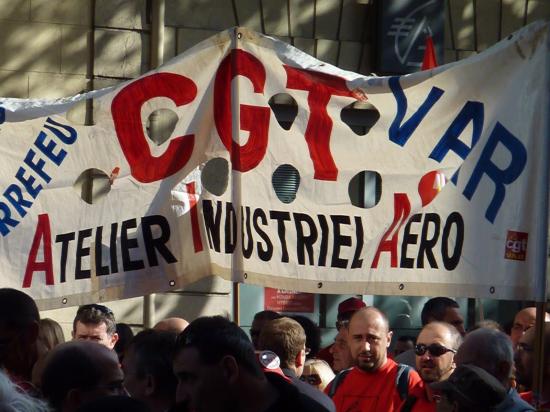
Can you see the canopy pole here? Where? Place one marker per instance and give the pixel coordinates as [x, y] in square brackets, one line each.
[236, 303]
[538, 377]
[157, 54]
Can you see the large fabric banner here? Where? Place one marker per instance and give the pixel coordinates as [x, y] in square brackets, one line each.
[443, 191]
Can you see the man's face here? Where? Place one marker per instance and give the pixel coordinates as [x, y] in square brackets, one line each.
[341, 352]
[402, 346]
[201, 387]
[453, 316]
[524, 320]
[524, 358]
[134, 384]
[434, 368]
[18, 349]
[255, 329]
[95, 332]
[369, 339]
[111, 382]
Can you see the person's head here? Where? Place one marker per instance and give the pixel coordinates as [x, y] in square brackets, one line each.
[487, 324]
[12, 399]
[125, 335]
[435, 349]
[369, 338]
[147, 368]
[50, 334]
[96, 323]
[212, 360]
[403, 344]
[317, 373]
[258, 322]
[469, 389]
[313, 335]
[490, 350]
[524, 320]
[287, 339]
[525, 356]
[79, 371]
[175, 325]
[346, 309]
[341, 353]
[443, 309]
[19, 328]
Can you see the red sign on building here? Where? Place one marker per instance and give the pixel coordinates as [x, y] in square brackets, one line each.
[280, 300]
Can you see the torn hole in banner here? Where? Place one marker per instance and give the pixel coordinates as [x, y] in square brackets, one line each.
[160, 125]
[286, 181]
[365, 189]
[360, 117]
[93, 185]
[284, 108]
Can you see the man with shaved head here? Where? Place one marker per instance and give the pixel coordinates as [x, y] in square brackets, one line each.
[524, 320]
[79, 371]
[435, 349]
[174, 325]
[375, 383]
[491, 350]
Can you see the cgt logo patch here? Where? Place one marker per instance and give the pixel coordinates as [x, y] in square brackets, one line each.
[516, 245]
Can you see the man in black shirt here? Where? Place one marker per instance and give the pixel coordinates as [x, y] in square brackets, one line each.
[217, 370]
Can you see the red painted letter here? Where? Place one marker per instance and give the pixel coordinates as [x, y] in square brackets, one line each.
[254, 119]
[402, 209]
[43, 233]
[126, 110]
[321, 87]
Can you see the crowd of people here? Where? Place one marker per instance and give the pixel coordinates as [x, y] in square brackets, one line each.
[211, 364]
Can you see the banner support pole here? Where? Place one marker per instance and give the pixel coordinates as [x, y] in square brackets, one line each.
[156, 59]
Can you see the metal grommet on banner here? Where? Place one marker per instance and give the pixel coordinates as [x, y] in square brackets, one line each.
[245, 276]
[492, 290]
[172, 283]
[239, 35]
[401, 286]
[64, 301]
[320, 285]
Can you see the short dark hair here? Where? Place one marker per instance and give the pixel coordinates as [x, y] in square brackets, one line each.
[285, 337]
[215, 337]
[267, 315]
[313, 334]
[69, 366]
[435, 308]
[96, 314]
[17, 308]
[406, 338]
[153, 350]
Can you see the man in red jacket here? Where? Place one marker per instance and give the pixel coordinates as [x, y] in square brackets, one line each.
[372, 385]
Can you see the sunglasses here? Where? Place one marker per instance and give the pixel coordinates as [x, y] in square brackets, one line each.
[435, 349]
[103, 309]
[313, 379]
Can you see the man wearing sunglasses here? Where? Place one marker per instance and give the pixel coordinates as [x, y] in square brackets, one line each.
[436, 346]
[95, 323]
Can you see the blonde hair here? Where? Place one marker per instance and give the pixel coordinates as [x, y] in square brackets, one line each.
[321, 368]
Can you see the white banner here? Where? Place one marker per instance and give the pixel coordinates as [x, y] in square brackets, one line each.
[453, 200]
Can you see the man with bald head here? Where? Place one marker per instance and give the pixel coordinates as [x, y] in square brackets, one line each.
[525, 364]
[435, 349]
[79, 371]
[491, 350]
[524, 320]
[174, 325]
[375, 382]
